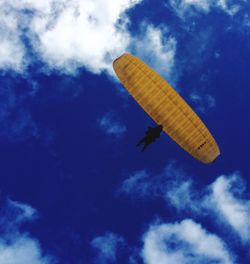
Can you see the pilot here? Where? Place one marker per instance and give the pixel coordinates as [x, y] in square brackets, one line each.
[151, 135]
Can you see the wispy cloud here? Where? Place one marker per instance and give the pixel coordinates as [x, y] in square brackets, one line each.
[182, 6]
[17, 212]
[15, 246]
[227, 200]
[246, 20]
[202, 102]
[138, 184]
[111, 125]
[107, 247]
[187, 8]
[171, 185]
[185, 242]
[224, 198]
[157, 47]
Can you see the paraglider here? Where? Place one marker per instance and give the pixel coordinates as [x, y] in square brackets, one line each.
[166, 107]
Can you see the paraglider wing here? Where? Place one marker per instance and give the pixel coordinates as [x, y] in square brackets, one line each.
[166, 107]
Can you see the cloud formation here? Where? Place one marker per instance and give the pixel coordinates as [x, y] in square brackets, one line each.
[185, 242]
[107, 247]
[89, 33]
[171, 185]
[65, 34]
[187, 8]
[224, 198]
[202, 102]
[227, 200]
[111, 125]
[15, 246]
[160, 50]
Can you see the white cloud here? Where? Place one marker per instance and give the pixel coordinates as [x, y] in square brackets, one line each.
[138, 184]
[107, 247]
[211, 101]
[22, 250]
[111, 125]
[21, 212]
[13, 214]
[66, 34]
[185, 8]
[85, 33]
[226, 199]
[222, 200]
[202, 102]
[12, 50]
[185, 242]
[246, 20]
[15, 246]
[171, 185]
[202, 5]
[179, 194]
[9, 46]
[157, 47]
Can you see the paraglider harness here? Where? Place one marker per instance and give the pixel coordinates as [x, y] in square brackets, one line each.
[152, 134]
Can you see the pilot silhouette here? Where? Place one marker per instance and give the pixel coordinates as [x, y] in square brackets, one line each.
[151, 135]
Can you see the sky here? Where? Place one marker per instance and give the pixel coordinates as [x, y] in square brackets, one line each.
[74, 189]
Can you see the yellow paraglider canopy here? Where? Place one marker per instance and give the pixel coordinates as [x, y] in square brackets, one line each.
[166, 107]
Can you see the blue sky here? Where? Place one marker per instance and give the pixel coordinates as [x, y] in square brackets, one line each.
[74, 188]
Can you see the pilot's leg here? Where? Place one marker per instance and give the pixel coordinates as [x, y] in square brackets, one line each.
[140, 142]
[144, 146]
